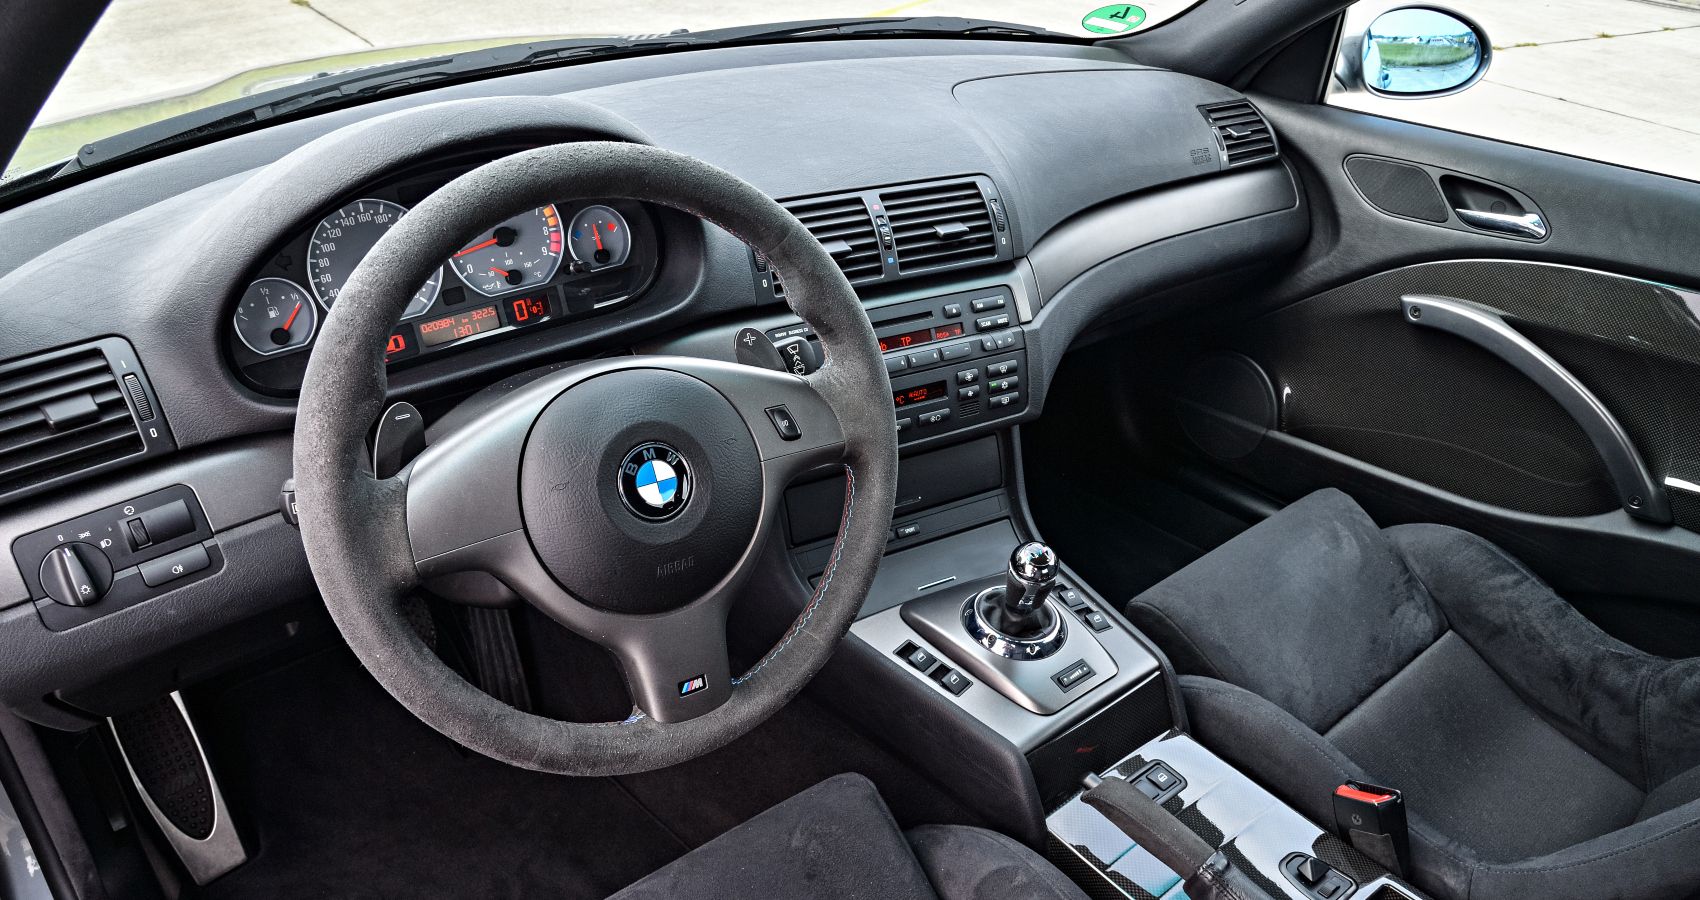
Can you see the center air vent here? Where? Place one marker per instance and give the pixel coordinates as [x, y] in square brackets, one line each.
[1242, 134]
[943, 224]
[72, 411]
[844, 228]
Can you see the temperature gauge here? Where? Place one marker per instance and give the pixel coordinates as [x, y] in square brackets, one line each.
[599, 237]
[275, 315]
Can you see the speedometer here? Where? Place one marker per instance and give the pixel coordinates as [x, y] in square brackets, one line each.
[343, 239]
[522, 252]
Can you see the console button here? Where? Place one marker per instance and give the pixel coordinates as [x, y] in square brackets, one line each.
[917, 657]
[1004, 340]
[164, 523]
[986, 303]
[187, 561]
[968, 376]
[1073, 675]
[1162, 776]
[1095, 620]
[904, 425]
[1005, 399]
[934, 417]
[895, 364]
[1006, 367]
[1072, 599]
[1003, 384]
[988, 344]
[953, 310]
[955, 351]
[952, 680]
[971, 392]
[924, 358]
[990, 322]
[909, 529]
[783, 422]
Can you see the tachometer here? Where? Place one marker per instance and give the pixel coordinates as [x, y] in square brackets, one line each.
[522, 252]
[344, 238]
[600, 238]
[275, 315]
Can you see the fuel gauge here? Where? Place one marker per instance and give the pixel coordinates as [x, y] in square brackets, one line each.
[275, 315]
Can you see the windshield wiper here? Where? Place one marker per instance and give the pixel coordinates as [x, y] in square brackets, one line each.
[341, 88]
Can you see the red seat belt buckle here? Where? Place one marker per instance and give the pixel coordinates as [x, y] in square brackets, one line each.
[1372, 819]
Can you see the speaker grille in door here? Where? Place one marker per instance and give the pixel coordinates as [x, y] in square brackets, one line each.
[1397, 188]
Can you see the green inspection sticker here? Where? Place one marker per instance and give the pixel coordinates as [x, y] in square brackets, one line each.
[1116, 19]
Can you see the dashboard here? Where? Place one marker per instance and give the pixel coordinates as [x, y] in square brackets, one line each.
[557, 263]
[982, 220]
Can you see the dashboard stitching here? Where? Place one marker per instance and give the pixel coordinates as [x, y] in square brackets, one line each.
[826, 582]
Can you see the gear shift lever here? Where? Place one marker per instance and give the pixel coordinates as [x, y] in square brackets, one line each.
[1021, 610]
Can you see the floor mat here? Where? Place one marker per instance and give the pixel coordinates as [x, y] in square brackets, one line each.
[350, 796]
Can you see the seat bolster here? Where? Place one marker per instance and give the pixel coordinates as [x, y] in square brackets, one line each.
[1638, 713]
[1311, 608]
[1653, 859]
[1303, 768]
[967, 863]
[834, 840]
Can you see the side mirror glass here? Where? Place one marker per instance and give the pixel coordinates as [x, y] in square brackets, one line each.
[1420, 51]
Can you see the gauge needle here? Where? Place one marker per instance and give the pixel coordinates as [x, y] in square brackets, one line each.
[501, 272]
[596, 232]
[475, 247]
[292, 314]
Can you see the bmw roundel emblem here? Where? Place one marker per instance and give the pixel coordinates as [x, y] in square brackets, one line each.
[655, 481]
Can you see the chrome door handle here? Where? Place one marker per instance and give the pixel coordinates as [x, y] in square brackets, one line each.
[1527, 225]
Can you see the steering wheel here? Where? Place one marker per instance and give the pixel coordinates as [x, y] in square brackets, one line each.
[627, 499]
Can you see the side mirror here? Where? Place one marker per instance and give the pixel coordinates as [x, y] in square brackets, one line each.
[1422, 51]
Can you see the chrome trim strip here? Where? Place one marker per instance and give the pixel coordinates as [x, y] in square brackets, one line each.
[1639, 495]
[1682, 484]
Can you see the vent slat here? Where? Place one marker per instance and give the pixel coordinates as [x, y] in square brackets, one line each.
[1244, 134]
[918, 215]
[32, 450]
[845, 221]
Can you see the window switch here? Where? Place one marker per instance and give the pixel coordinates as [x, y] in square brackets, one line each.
[917, 657]
[951, 680]
[1095, 620]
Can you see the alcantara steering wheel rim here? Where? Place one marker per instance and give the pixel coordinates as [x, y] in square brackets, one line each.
[369, 541]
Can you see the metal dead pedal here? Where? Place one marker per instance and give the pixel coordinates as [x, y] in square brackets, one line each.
[169, 768]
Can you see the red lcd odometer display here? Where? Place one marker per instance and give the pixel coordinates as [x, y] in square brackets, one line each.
[922, 336]
[459, 325]
[921, 394]
[523, 311]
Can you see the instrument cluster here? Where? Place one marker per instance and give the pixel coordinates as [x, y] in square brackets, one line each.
[556, 263]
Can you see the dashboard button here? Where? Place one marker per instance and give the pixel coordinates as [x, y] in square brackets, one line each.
[1002, 384]
[164, 523]
[934, 417]
[955, 351]
[904, 425]
[1073, 675]
[953, 310]
[987, 303]
[968, 376]
[1005, 399]
[894, 364]
[166, 569]
[999, 369]
[990, 322]
[1005, 341]
[924, 358]
[909, 529]
[971, 392]
[138, 534]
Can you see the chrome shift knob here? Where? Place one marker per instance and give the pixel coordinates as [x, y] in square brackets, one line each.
[1032, 571]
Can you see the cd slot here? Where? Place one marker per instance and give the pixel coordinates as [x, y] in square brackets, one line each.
[911, 319]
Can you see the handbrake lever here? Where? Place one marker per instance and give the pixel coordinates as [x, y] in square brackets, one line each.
[1209, 874]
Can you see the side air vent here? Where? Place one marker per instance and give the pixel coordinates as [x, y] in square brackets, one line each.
[1241, 132]
[72, 411]
[943, 224]
[845, 229]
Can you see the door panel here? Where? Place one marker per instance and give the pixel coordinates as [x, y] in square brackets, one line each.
[1423, 425]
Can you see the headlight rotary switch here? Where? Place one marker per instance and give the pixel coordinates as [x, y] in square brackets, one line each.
[76, 574]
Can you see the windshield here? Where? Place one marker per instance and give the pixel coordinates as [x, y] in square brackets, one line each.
[149, 60]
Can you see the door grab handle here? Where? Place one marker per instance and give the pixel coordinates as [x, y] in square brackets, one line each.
[1527, 225]
[1640, 496]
